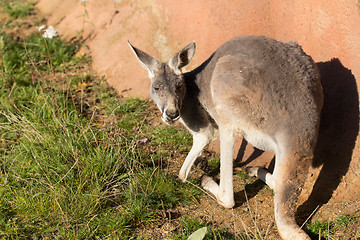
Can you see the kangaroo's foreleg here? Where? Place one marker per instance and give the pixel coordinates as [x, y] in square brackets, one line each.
[224, 192]
[200, 140]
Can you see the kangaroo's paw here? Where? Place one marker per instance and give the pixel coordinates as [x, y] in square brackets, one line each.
[182, 176]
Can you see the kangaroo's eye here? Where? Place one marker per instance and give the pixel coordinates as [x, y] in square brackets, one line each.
[156, 88]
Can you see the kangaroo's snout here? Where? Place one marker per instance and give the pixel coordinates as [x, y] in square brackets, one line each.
[172, 114]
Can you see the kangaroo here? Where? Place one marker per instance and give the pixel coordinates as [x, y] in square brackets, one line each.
[267, 91]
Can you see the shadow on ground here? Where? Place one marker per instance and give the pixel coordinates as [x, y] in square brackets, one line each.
[339, 127]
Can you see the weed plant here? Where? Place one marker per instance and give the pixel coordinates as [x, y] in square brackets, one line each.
[190, 225]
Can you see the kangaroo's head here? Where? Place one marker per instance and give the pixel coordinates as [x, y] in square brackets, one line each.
[167, 81]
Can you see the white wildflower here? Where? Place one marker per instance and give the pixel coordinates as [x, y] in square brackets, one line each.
[84, 1]
[50, 32]
[42, 27]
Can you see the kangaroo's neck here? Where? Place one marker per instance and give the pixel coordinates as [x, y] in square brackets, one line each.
[197, 100]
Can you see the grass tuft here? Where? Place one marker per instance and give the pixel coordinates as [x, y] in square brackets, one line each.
[18, 9]
[328, 229]
[66, 174]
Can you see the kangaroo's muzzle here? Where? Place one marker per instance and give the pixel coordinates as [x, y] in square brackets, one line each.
[170, 115]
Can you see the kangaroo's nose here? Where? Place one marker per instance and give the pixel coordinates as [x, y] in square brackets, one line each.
[172, 114]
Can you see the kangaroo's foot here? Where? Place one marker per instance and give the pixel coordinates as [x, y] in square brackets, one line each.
[263, 174]
[225, 199]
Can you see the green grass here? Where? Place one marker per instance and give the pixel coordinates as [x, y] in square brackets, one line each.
[328, 229]
[17, 8]
[65, 174]
[190, 225]
[214, 166]
[172, 136]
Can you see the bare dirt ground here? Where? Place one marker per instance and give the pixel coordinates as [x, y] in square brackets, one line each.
[253, 214]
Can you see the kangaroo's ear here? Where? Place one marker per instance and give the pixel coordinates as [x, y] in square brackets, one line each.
[182, 58]
[145, 60]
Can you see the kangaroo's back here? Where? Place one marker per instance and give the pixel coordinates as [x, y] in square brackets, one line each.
[260, 84]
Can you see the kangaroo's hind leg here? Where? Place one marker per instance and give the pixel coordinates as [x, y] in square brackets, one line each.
[224, 192]
[290, 174]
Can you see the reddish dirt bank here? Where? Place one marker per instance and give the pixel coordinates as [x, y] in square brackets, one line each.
[328, 31]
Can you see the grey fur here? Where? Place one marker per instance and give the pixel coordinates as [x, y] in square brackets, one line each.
[267, 91]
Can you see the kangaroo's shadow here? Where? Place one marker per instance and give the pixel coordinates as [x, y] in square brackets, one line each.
[339, 127]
